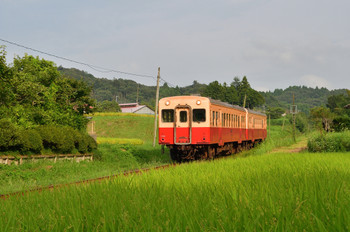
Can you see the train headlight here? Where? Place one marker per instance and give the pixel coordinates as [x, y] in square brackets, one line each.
[167, 103]
[198, 102]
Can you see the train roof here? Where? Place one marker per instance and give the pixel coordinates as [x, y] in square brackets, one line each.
[218, 102]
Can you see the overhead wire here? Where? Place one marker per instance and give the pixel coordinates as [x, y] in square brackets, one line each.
[94, 67]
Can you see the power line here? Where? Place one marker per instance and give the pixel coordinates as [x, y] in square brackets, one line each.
[171, 85]
[94, 67]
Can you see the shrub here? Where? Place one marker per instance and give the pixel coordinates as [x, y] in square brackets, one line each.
[58, 139]
[30, 141]
[9, 135]
[330, 142]
[92, 145]
[341, 123]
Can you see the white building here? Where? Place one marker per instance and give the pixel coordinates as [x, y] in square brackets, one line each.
[135, 108]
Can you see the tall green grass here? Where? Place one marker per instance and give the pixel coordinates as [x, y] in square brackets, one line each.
[276, 192]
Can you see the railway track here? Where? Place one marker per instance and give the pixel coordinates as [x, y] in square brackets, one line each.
[52, 187]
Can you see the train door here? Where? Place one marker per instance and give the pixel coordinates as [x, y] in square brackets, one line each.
[182, 128]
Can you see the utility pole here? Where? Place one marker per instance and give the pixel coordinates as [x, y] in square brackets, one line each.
[137, 94]
[156, 110]
[269, 126]
[294, 109]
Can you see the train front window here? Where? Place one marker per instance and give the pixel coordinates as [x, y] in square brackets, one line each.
[168, 115]
[199, 115]
[183, 116]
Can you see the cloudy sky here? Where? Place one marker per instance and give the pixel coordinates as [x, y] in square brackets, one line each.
[274, 43]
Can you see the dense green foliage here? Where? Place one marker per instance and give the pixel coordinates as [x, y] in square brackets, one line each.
[34, 93]
[334, 117]
[341, 114]
[107, 106]
[126, 90]
[305, 97]
[43, 139]
[330, 142]
[276, 192]
[238, 93]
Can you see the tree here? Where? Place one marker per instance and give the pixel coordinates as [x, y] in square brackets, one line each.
[108, 106]
[34, 93]
[275, 112]
[214, 90]
[323, 117]
[6, 94]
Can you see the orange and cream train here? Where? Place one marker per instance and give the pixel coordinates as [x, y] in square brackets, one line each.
[195, 127]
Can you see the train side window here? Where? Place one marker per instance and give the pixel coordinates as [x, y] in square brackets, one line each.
[183, 116]
[217, 118]
[239, 121]
[168, 115]
[199, 115]
[222, 120]
[212, 118]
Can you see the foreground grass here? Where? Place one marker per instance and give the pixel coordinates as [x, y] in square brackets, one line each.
[110, 159]
[279, 191]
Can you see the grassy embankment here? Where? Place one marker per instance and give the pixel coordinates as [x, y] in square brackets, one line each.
[112, 158]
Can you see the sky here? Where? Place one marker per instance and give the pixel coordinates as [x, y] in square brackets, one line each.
[274, 43]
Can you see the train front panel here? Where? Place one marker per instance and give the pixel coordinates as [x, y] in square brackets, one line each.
[184, 120]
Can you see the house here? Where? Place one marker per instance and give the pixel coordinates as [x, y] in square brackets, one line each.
[135, 108]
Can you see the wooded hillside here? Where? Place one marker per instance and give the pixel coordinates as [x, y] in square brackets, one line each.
[126, 91]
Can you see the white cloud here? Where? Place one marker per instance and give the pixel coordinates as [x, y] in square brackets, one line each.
[313, 81]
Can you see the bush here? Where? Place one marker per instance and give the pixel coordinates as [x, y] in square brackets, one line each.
[9, 135]
[341, 123]
[58, 139]
[82, 142]
[331, 142]
[30, 141]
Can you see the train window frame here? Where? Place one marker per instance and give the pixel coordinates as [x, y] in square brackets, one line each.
[194, 114]
[182, 117]
[171, 118]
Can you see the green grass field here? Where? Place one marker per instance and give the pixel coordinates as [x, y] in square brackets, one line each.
[274, 192]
